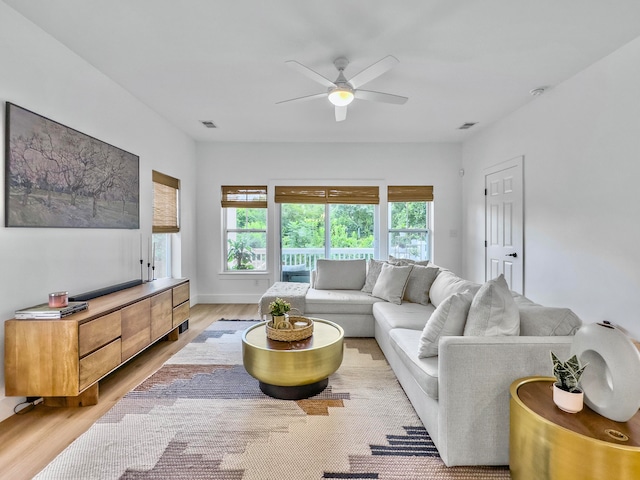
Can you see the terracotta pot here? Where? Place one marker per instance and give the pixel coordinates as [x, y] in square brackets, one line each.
[570, 402]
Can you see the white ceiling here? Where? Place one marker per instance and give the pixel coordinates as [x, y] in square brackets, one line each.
[223, 60]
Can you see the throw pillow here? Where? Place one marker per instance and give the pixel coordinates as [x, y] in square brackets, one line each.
[447, 320]
[391, 283]
[340, 274]
[407, 261]
[373, 272]
[493, 311]
[420, 280]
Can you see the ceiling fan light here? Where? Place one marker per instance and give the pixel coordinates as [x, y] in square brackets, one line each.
[341, 97]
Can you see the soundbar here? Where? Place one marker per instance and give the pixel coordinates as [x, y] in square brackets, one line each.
[83, 297]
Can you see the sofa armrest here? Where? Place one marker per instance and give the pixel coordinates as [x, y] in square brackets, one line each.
[474, 377]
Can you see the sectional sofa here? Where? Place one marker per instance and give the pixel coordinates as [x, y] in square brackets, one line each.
[454, 345]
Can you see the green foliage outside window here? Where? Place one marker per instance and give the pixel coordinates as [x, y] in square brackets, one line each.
[408, 230]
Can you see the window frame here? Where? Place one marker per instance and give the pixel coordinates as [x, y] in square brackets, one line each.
[411, 194]
[243, 197]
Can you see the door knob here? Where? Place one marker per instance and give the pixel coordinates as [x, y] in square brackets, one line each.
[514, 255]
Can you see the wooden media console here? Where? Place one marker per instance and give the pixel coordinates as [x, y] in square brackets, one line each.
[62, 360]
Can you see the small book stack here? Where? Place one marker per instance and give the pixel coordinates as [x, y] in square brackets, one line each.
[44, 311]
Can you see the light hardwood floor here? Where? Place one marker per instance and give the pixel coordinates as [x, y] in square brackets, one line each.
[29, 442]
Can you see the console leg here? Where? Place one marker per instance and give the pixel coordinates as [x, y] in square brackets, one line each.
[85, 399]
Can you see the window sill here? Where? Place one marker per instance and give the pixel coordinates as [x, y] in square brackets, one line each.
[243, 275]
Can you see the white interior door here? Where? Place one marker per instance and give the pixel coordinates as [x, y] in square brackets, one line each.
[504, 223]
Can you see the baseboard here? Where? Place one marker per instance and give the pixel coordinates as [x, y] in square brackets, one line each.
[229, 298]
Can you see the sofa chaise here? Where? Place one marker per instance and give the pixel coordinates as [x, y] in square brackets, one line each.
[454, 345]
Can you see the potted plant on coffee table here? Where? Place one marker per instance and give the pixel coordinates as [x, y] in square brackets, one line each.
[277, 309]
[567, 394]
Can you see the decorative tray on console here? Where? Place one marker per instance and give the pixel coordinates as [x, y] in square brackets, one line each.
[291, 329]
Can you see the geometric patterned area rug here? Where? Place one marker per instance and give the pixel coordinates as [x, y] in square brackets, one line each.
[202, 416]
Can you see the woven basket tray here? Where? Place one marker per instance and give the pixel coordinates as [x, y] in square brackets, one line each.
[290, 334]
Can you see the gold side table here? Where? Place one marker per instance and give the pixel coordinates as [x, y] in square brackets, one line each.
[547, 443]
[293, 370]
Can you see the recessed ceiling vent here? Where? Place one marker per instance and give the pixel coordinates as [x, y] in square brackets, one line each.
[209, 124]
[466, 126]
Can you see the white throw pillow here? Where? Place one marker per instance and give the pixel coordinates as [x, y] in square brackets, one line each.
[419, 283]
[493, 311]
[447, 320]
[391, 283]
[373, 272]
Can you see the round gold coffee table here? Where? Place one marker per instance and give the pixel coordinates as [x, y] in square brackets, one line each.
[293, 370]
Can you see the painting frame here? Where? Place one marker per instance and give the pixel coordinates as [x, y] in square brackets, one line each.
[59, 177]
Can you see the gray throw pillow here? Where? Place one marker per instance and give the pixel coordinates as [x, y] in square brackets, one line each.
[493, 311]
[447, 320]
[407, 261]
[391, 283]
[420, 280]
[374, 268]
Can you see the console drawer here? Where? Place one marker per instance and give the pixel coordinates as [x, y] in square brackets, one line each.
[180, 314]
[96, 333]
[180, 294]
[93, 367]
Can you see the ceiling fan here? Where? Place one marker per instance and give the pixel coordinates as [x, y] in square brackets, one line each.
[342, 92]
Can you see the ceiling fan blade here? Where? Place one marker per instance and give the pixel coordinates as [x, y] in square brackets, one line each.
[341, 113]
[380, 97]
[373, 71]
[313, 75]
[308, 97]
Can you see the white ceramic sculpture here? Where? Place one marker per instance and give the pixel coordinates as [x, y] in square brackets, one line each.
[611, 382]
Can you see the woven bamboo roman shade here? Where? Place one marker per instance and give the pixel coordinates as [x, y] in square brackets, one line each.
[410, 193]
[165, 203]
[322, 195]
[244, 196]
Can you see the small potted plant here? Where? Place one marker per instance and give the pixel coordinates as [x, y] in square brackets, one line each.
[277, 310]
[567, 394]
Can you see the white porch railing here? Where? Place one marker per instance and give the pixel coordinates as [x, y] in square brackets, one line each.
[309, 256]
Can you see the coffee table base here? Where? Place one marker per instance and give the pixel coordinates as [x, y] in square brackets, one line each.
[294, 393]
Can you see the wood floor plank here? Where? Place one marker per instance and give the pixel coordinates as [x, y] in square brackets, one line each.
[31, 441]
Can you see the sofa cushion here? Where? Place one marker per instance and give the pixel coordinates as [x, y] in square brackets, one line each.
[391, 283]
[407, 315]
[447, 320]
[424, 370]
[339, 301]
[340, 274]
[446, 284]
[537, 320]
[419, 283]
[493, 311]
[374, 267]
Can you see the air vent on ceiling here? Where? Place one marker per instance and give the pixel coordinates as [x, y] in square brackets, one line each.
[209, 124]
[466, 126]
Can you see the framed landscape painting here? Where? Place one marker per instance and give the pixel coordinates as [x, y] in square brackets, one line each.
[58, 177]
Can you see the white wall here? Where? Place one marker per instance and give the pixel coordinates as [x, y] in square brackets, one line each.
[262, 164]
[581, 143]
[42, 75]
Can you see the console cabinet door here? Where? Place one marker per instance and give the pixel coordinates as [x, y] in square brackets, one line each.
[136, 328]
[161, 314]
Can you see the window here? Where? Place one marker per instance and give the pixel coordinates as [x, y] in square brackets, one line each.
[166, 202]
[409, 220]
[245, 228]
[324, 222]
